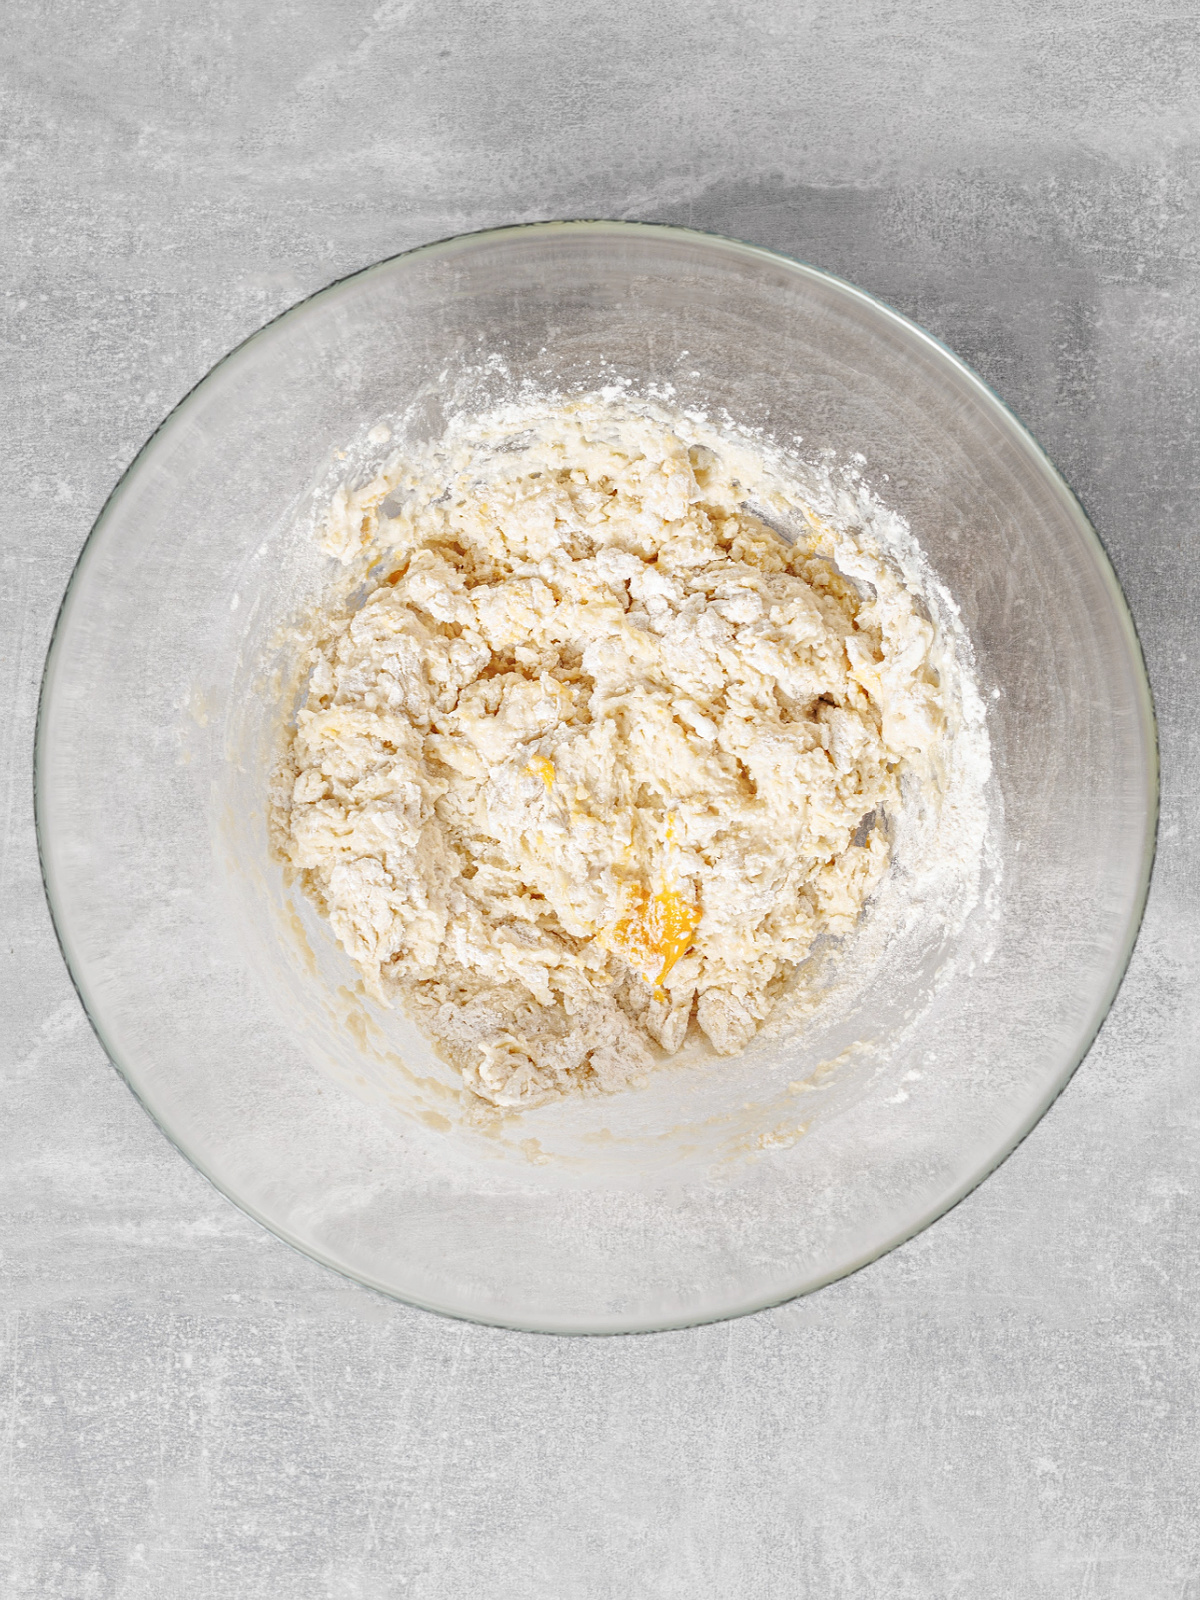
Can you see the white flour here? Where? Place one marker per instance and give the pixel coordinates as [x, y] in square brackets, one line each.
[602, 756]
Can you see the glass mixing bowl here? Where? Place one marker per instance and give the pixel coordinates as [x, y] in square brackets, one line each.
[720, 1187]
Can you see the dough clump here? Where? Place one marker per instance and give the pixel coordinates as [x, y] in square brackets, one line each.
[601, 755]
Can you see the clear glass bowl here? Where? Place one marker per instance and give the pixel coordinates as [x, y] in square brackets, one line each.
[215, 989]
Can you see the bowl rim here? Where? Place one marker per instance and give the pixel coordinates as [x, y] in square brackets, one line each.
[1018, 434]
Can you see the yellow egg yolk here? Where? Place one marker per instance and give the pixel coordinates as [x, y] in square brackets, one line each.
[542, 768]
[655, 931]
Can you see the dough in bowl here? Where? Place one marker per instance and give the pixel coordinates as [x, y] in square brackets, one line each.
[601, 755]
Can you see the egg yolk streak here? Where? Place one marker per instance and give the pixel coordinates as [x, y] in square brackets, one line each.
[541, 767]
[654, 932]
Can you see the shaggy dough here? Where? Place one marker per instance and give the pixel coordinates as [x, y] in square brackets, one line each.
[601, 756]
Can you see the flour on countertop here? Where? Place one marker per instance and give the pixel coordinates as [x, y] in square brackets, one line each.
[600, 756]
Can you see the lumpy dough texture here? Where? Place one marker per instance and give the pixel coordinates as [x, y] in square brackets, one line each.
[601, 756]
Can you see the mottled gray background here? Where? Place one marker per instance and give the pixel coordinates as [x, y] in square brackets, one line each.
[1007, 1406]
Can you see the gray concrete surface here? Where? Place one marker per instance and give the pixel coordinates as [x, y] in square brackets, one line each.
[1007, 1406]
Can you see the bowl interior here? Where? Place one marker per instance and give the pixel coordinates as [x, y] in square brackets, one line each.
[722, 1185]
